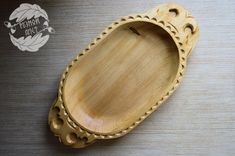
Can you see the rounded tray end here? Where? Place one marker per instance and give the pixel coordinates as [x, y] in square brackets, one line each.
[65, 129]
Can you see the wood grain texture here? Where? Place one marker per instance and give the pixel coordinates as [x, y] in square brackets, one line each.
[123, 76]
[198, 119]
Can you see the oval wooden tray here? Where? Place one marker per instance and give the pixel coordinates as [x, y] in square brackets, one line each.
[129, 70]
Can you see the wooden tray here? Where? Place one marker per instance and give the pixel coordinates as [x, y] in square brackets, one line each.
[124, 75]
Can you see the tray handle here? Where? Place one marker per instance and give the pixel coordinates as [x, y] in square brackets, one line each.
[65, 129]
[181, 23]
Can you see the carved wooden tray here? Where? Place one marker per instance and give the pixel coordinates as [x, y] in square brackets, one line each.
[124, 75]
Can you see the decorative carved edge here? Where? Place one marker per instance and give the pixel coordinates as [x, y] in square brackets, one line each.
[184, 41]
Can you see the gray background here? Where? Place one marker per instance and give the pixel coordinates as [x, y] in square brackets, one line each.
[199, 119]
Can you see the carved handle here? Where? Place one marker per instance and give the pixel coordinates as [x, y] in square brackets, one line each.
[180, 21]
[63, 127]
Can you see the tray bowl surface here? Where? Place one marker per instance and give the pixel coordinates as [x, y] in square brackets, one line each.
[121, 77]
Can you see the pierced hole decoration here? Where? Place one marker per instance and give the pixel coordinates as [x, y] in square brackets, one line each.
[146, 17]
[71, 138]
[84, 139]
[123, 19]
[174, 12]
[55, 110]
[112, 82]
[57, 123]
[189, 29]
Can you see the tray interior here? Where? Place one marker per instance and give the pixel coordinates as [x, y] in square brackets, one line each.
[118, 80]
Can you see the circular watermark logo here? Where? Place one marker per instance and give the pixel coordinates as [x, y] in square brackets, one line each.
[29, 27]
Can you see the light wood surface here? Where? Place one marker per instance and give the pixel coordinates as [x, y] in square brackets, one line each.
[122, 77]
[197, 120]
[112, 86]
